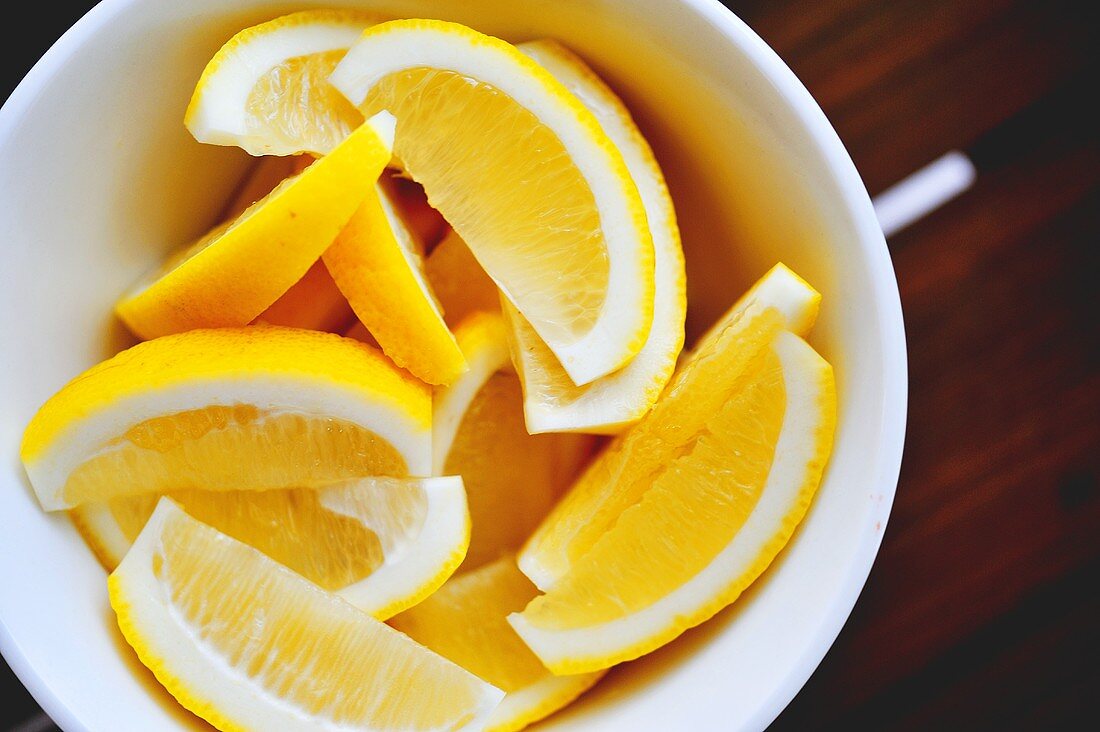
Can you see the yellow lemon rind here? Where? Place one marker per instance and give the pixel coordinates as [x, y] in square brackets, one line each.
[526, 706]
[216, 113]
[623, 325]
[608, 405]
[810, 387]
[295, 370]
[232, 701]
[483, 340]
[376, 266]
[267, 249]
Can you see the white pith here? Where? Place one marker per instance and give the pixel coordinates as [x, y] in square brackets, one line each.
[273, 394]
[199, 666]
[221, 115]
[449, 404]
[805, 380]
[600, 350]
[779, 289]
[622, 397]
[522, 703]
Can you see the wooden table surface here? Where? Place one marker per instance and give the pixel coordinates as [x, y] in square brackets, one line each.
[983, 608]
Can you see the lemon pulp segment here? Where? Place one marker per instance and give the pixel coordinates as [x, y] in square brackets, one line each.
[463, 147]
[465, 621]
[619, 477]
[293, 104]
[247, 644]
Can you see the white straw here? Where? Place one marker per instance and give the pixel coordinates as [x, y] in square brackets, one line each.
[924, 191]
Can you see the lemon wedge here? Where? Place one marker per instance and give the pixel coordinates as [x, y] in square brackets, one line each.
[458, 281]
[379, 268]
[720, 472]
[465, 622]
[266, 89]
[233, 273]
[588, 510]
[252, 408]
[512, 478]
[525, 175]
[245, 643]
[552, 403]
[383, 544]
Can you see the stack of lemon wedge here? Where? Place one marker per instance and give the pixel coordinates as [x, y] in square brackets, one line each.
[352, 478]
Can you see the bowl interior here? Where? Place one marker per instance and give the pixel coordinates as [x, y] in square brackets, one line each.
[101, 178]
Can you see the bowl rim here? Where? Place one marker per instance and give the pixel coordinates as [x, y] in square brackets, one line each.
[870, 240]
[895, 374]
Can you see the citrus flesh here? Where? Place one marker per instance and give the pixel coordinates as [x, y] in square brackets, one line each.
[229, 409]
[552, 402]
[458, 281]
[524, 174]
[512, 478]
[465, 621]
[245, 643]
[266, 90]
[730, 485]
[618, 477]
[381, 543]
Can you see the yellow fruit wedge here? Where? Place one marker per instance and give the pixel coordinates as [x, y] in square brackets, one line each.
[253, 408]
[729, 486]
[247, 644]
[512, 478]
[628, 465]
[266, 89]
[465, 622]
[458, 281]
[552, 402]
[383, 544]
[525, 175]
[379, 268]
[235, 272]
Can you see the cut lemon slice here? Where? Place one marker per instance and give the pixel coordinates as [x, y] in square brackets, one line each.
[512, 478]
[552, 403]
[267, 89]
[378, 267]
[245, 643]
[458, 281]
[526, 176]
[383, 544]
[252, 408]
[727, 493]
[630, 462]
[465, 622]
[233, 273]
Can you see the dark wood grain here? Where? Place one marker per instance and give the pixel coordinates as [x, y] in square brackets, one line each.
[981, 611]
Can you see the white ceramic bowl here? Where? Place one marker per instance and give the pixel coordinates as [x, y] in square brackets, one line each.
[100, 178]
